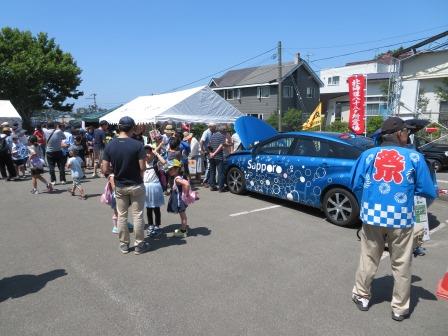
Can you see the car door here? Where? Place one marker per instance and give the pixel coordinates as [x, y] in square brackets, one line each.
[317, 163]
[268, 165]
[308, 167]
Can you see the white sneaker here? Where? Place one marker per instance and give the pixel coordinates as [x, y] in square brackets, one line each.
[361, 302]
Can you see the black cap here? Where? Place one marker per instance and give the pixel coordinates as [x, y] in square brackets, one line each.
[394, 124]
[127, 121]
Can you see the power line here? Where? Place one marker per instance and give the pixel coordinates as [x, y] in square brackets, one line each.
[221, 71]
[365, 50]
[371, 41]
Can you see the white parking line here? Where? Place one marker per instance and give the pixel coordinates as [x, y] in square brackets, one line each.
[442, 181]
[441, 226]
[256, 210]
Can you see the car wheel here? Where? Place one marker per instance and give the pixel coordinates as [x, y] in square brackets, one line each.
[436, 165]
[340, 207]
[235, 181]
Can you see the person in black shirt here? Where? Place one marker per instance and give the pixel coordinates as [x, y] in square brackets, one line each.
[125, 158]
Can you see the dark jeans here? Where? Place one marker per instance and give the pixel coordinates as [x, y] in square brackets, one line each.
[216, 166]
[53, 159]
[7, 163]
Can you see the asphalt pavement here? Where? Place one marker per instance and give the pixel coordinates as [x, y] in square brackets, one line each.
[251, 266]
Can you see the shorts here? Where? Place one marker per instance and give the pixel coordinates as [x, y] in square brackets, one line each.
[36, 171]
[97, 154]
[20, 162]
[76, 182]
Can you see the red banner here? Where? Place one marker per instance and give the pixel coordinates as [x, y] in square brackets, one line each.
[356, 86]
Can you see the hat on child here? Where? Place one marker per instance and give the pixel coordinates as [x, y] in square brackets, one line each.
[187, 135]
[169, 129]
[174, 163]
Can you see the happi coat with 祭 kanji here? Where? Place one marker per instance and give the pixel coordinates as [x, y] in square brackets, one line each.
[385, 180]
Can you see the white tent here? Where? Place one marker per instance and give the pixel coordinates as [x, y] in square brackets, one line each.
[8, 113]
[198, 105]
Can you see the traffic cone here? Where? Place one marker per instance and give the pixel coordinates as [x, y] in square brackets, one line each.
[442, 289]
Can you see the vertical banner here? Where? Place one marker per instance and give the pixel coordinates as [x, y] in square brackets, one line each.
[356, 86]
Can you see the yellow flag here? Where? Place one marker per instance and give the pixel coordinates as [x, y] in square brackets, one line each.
[315, 118]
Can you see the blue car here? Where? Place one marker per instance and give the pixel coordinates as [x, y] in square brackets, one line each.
[311, 168]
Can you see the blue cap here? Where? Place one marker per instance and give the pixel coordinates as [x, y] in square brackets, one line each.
[127, 121]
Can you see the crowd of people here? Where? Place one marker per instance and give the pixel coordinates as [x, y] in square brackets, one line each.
[141, 165]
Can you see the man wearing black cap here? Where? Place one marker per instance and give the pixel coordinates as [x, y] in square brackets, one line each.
[125, 158]
[386, 179]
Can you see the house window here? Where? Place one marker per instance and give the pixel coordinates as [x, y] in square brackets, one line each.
[263, 92]
[310, 92]
[333, 80]
[376, 109]
[238, 93]
[287, 91]
[340, 108]
[230, 94]
[256, 115]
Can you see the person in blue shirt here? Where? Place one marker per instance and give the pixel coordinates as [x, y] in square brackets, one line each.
[75, 164]
[385, 180]
[19, 153]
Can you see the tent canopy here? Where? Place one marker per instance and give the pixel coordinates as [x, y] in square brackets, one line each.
[8, 112]
[197, 105]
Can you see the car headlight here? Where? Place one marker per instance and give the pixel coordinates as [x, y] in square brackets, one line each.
[446, 153]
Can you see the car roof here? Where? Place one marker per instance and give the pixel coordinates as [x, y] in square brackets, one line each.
[332, 136]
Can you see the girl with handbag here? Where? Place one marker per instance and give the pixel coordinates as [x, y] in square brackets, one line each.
[153, 190]
[181, 195]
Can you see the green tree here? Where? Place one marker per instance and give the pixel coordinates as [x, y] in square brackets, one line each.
[389, 52]
[442, 91]
[35, 74]
[422, 101]
[273, 120]
[338, 126]
[291, 120]
[373, 123]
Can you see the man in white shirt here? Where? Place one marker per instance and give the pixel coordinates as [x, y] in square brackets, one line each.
[204, 142]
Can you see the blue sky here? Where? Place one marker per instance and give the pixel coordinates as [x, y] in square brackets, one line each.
[131, 48]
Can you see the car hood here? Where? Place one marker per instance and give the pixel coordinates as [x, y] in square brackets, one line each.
[251, 130]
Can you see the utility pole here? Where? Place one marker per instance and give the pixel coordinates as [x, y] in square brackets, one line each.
[95, 107]
[279, 80]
